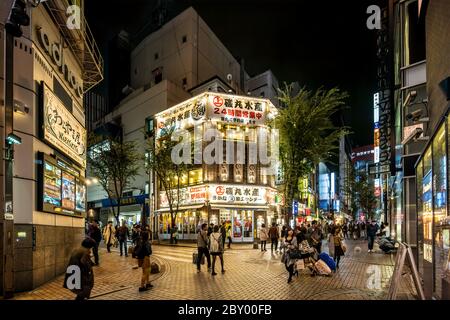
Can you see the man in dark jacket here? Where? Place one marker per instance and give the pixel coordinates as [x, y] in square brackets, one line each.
[123, 234]
[202, 246]
[210, 229]
[95, 234]
[316, 236]
[274, 236]
[371, 233]
[81, 258]
[223, 233]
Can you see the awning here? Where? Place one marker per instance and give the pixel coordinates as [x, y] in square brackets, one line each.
[181, 208]
[239, 206]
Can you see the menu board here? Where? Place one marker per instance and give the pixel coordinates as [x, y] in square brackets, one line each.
[81, 197]
[68, 191]
[52, 184]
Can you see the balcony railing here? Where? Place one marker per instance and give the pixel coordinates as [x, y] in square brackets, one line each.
[80, 41]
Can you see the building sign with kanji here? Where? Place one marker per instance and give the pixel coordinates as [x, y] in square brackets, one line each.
[236, 109]
[188, 196]
[237, 194]
[182, 115]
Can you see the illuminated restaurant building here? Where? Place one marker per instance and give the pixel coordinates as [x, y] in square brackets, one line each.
[53, 67]
[241, 194]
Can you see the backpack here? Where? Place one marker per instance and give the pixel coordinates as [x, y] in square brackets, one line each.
[215, 244]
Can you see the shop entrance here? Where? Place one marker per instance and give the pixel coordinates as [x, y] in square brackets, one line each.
[242, 222]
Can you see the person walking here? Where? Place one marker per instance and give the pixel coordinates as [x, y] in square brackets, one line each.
[216, 248]
[135, 234]
[109, 234]
[290, 243]
[81, 257]
[95, 234]
[229, 235]
[274, 236]
[123, 234]
[210, 229]
[371, 233]
[338, 246]
[143, 252]
[316, 237]
[223, 233]
[345, 230]
[202, 247]
[363, 230]
[358, 231]
[263, 236]
[175, 234]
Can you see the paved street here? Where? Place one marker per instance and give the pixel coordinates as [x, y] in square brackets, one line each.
[250, 274]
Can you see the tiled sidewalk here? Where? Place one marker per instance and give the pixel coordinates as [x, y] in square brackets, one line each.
[250, 274]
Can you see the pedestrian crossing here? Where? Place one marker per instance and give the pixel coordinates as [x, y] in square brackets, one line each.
[183, 254]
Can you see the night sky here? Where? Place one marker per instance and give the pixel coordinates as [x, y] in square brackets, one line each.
[318, 43]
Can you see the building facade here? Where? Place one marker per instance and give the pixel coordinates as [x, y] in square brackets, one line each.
[239, 192]
[432, 167]
[182, 59]
[51, 74]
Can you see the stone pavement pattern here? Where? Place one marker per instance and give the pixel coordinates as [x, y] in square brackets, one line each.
[250, 275]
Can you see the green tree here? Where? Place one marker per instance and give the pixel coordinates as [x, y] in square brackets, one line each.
[307, 133]
[365, 198]
[168, 173]
[115, 165]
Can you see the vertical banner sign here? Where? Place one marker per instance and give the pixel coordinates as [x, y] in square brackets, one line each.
[382, 99]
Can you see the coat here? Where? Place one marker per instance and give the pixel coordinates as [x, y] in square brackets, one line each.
[263, 234]
[273, 233]
[109, 234]
[82, 258]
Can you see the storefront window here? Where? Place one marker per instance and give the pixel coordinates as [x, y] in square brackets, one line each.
[427, 213]
[439, 203]
[420, 215]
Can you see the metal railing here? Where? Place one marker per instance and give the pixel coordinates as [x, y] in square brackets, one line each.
[81, 42]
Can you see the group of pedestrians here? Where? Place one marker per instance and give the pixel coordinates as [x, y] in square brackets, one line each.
[211, 243]
[313, 233]
[81, 257]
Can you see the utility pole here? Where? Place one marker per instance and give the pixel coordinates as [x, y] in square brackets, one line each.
[17, 18]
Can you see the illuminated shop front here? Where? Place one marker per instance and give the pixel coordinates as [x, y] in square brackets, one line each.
[240, 193]
[433, 214]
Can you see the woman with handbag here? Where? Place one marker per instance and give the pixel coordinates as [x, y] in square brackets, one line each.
[339, 248]
[216, 248]
[290, 243]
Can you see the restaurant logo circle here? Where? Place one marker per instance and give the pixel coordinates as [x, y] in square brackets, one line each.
[198, 111]
[218, 101]
[220, 190]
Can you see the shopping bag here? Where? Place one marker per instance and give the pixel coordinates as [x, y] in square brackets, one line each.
[300, 264]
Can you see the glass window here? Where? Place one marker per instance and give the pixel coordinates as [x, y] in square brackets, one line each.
[439, 203]
[419, 175]
[427, 212]
[414, 35]
[196, 176]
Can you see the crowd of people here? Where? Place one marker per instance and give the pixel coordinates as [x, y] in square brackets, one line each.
[118, 236]
[211, 241]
